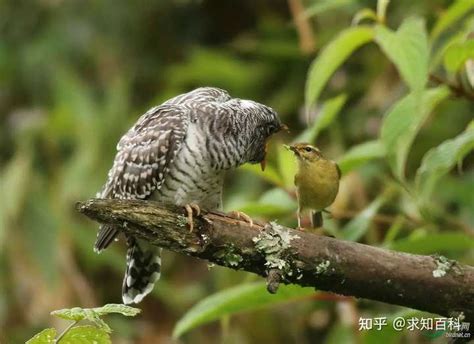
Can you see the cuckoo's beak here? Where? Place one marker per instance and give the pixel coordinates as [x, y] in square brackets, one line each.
[285, 128]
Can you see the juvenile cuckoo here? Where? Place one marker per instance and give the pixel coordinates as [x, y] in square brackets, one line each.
[177, 153]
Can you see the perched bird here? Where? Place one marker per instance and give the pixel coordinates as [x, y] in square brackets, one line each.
[317, 182]
[177, 153]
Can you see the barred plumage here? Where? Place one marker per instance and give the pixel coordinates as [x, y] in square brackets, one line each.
[177, 153]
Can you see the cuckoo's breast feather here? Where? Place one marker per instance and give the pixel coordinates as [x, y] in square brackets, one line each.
[191, 178]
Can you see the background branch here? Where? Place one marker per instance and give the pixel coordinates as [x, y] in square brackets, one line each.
[458, 90]
[428, 283]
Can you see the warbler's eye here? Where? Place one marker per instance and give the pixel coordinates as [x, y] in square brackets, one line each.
[308, 149]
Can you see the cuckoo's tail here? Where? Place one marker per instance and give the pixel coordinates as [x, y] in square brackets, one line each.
[106, 235]
[143, 270]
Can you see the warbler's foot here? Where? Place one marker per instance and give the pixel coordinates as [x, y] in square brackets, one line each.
[242, 216]
[192, 209]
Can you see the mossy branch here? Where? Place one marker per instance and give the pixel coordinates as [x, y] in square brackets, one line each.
[427, 283]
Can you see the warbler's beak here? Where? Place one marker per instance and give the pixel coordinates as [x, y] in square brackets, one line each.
[294, 150]
[290, 148]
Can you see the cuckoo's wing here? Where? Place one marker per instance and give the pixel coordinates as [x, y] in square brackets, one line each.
[144, 155]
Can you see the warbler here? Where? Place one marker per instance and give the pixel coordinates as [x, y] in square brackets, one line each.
[316, 181]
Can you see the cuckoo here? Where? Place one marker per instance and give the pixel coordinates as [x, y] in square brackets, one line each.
[178, 153]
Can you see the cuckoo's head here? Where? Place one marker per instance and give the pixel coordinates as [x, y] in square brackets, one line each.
[305, 152]
[262, 122]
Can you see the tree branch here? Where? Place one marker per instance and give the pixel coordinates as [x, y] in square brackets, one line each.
[428, 283]
[457, 90]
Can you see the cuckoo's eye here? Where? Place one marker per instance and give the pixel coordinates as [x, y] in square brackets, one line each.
[308, 149]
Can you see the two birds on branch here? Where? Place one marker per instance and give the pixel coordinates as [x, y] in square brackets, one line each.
[178, 153]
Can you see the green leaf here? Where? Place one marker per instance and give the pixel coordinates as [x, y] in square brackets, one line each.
[394, 229]
[331, 57]
[431, 243]
[44, 337]
[75, 314]
[264, 209]
[408, 49]
[452, 15]
[85, 335]
[322, 6]
[364, 14]
[442, 46]
[358, 226]
[328, 114]
[270, 174]
[245, 297]
[440, 160]
[94, 314]
[360, 154]
[403, 122]
[457, 54]
[117, 308]
[272, 203]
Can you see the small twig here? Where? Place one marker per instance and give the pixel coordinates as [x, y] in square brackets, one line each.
[273, 280]
[303, 26]
[458, 90]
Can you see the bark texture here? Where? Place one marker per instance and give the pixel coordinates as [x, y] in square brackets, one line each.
[283, 255]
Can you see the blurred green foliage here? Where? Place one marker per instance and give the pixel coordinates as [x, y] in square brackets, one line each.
[98, 333]
[388, 93]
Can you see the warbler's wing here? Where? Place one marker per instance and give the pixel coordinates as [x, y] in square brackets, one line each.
[143, 157]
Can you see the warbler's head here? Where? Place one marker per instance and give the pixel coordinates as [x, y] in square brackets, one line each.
[305, 152]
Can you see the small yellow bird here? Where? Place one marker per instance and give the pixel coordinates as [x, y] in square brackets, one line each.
[317, 182]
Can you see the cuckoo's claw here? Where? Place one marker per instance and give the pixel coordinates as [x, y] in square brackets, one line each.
[239, 215]
[192, 209]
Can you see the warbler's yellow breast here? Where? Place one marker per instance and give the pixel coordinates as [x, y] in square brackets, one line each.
[317, 184]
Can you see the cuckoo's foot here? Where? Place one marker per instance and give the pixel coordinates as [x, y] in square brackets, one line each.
[239, 215]
[192, 209]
